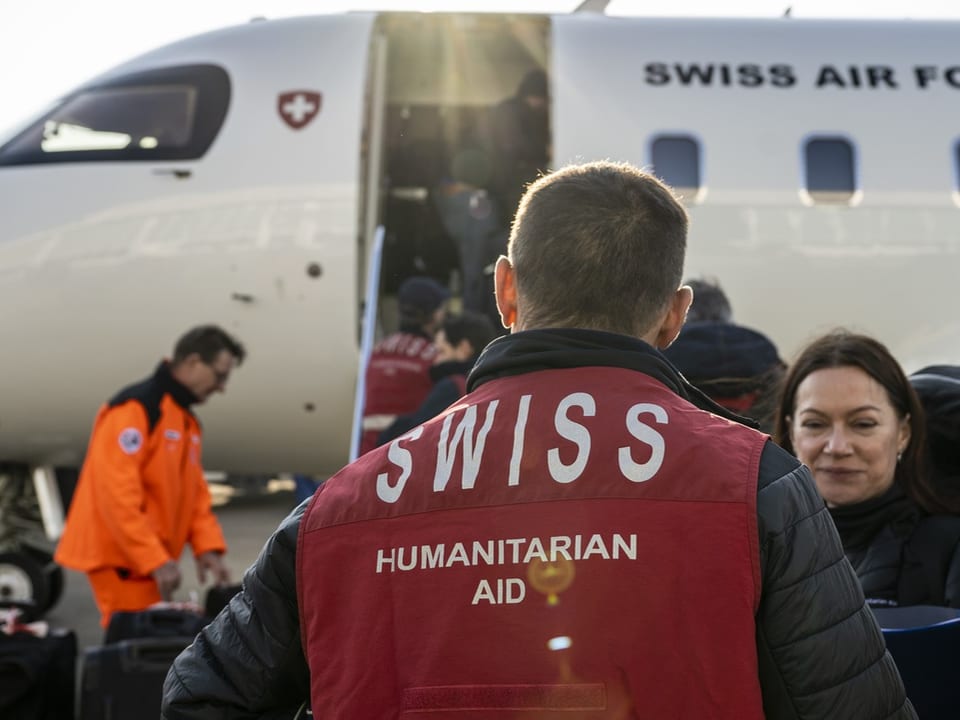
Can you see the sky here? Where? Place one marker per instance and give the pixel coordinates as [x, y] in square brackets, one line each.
[48, 48]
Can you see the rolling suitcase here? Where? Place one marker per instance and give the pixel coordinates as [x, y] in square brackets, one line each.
[154, 623]
[125, 679]
[37, 676]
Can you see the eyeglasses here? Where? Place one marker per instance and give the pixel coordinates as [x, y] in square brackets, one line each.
[221, 375]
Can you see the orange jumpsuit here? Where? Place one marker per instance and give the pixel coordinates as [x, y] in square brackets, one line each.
[141, 495]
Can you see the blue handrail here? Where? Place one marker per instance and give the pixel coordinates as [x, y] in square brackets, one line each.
[370, 309]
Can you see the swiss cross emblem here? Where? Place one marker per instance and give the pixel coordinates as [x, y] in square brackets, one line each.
[298, 107]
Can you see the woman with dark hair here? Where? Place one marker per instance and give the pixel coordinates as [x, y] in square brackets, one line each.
[849, 413]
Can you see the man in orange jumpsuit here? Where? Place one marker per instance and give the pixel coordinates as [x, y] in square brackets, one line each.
[142, 495]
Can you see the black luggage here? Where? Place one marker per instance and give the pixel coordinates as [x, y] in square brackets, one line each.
[154, 623]
[125, 679]
[37, 676]
[925, 643]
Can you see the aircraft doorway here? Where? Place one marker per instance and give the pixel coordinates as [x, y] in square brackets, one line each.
[458, 145]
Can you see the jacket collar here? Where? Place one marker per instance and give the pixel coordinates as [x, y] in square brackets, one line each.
[181, 394]
[451, 367]
[562, 348]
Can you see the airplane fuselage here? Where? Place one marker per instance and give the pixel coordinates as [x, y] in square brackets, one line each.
[106, 256]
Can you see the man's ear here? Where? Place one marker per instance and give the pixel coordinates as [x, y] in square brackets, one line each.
[506, 292]
[674, 318]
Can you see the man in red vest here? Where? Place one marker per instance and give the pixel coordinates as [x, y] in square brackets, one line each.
[398, 373]
[582, 535]
[458, 344]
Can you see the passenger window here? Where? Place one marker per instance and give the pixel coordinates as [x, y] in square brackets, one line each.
[168, 114]
[676, 161]
[956, 160]
[829, 170]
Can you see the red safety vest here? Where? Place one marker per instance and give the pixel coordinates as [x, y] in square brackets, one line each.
[558, 542]
[397, 381]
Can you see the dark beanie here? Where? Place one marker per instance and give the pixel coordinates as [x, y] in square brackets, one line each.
[711, 352]
[421, 294]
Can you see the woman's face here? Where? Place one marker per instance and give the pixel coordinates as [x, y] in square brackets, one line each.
[845, 429]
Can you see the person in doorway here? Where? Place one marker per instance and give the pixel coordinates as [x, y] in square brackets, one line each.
[583, 534]
[141, 495]
[472, 219]
[398, 372]
[519, 140]
[458, 344]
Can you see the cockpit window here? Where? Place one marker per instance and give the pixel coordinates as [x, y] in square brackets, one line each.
[168, 114]
[116, 118]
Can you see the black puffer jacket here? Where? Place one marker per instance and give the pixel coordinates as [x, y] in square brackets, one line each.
[820, 652]
[901, 555]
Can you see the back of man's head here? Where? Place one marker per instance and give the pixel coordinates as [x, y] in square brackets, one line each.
[597, 246]
[473, 327]
[207, 341]
[710, 303]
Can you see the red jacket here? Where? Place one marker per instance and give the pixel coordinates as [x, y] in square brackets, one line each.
[568, 539]
[397, 381]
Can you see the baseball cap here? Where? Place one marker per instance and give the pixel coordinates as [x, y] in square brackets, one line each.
[422, 293]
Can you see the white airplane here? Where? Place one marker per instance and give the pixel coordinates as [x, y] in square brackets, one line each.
[241, 176]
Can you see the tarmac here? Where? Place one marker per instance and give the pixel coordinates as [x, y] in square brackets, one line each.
[248, 521]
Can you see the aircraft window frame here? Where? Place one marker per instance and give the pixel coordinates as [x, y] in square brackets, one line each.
[208, 84]
[688, 193]
[956, 172]
[830, 195]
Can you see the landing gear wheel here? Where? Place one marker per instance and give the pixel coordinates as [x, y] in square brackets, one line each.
[52, 575]
[23, 584]
[54, 580]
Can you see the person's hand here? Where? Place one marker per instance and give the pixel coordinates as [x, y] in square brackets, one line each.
[167, 577]
[212, 561]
